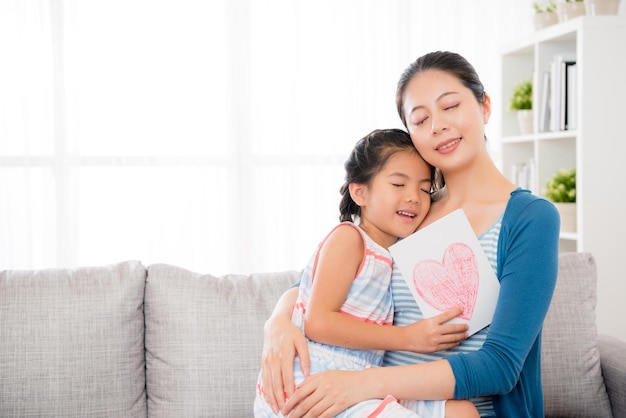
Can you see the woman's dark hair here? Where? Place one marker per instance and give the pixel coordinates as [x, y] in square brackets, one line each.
[451, 63]
[367, 158]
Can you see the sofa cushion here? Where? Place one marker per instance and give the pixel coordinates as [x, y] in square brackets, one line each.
[572, 378]
[72, 342]
[204, 339]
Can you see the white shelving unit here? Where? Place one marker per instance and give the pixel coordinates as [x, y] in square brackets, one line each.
[597, 147]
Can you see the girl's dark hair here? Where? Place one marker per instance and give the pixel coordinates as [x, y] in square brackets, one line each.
[449, 62]
[367, 158]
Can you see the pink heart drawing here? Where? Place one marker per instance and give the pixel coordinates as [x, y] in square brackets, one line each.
[454, 282]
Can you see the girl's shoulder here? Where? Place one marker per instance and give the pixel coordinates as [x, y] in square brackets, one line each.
[344, 233]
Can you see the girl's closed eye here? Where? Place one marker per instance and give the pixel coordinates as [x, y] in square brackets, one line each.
[453, 106]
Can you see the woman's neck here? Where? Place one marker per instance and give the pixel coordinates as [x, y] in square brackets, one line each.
[481, 191]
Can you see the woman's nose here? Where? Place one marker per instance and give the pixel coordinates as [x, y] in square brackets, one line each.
[438, 124]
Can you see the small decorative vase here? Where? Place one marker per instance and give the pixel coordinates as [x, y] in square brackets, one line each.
[567, 211]
[602, 7]
[544, 19]
[569, 10]
[525, 121]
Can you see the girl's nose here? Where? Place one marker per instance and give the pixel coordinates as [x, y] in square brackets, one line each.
[413, 197]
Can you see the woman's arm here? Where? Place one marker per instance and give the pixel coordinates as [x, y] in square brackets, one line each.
[328, 393]
[527, 270]
[282, 341]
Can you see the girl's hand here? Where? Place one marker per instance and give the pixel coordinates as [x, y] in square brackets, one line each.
[326, 394]
[282, 341]
[433, 334]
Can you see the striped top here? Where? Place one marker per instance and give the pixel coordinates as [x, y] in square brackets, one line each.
[369, 298]
[407, 312]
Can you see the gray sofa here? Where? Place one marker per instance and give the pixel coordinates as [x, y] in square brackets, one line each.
[124, 340]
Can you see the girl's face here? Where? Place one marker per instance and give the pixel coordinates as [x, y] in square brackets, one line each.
[444, 119]
[397, 200]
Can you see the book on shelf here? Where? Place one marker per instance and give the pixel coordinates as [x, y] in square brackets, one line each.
[544, 106]
[571, 96]
[559, 91]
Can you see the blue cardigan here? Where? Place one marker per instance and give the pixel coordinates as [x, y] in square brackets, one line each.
[508, 366]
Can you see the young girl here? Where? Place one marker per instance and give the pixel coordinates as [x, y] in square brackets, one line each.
[345, 306]
[444, 106]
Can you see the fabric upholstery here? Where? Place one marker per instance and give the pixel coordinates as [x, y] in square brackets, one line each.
[72, 342]
[613, 355]
[572, 378]
[204, 340]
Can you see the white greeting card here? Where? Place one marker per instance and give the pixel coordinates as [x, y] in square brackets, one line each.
[445, 267]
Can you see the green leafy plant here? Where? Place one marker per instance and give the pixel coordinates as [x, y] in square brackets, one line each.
[522, 96]
[561, 187]
[574, 1]
[545, 7]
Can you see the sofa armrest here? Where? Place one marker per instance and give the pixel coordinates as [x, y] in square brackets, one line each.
[613, 359]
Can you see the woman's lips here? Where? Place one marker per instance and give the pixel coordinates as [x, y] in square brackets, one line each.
[448, 146]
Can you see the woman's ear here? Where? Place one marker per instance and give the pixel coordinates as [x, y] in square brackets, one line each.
[486, 109]
[358, 193]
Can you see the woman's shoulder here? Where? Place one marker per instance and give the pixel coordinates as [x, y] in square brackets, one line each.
[523, 203]
[523, 197]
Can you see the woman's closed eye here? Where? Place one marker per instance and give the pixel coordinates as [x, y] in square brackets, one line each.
[420, 122]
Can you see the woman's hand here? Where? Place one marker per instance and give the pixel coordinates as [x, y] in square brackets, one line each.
[326, 394]
[433, 334]
[282, 340]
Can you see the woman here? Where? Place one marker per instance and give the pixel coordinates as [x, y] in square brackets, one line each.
[442, 103]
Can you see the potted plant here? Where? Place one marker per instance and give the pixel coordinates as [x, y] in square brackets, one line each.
[569, 9]
[522, 103]
[561, 189]
[545, 14]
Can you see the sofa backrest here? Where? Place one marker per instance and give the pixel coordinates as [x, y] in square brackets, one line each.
[72, 342]
[572, 379]
[204, 338]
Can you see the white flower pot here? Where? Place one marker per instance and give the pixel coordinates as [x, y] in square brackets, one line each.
[542, 20]
[570, 10]
[602, 7]
[525, 121]
[567, 211]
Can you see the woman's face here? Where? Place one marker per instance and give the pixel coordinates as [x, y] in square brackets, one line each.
[444, 119]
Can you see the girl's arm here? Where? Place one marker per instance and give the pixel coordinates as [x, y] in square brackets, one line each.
[340, 258]
[283, 340]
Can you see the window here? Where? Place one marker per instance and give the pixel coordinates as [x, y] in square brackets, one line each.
[210, 135]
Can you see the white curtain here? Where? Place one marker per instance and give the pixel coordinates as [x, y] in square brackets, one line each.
[210, 134]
